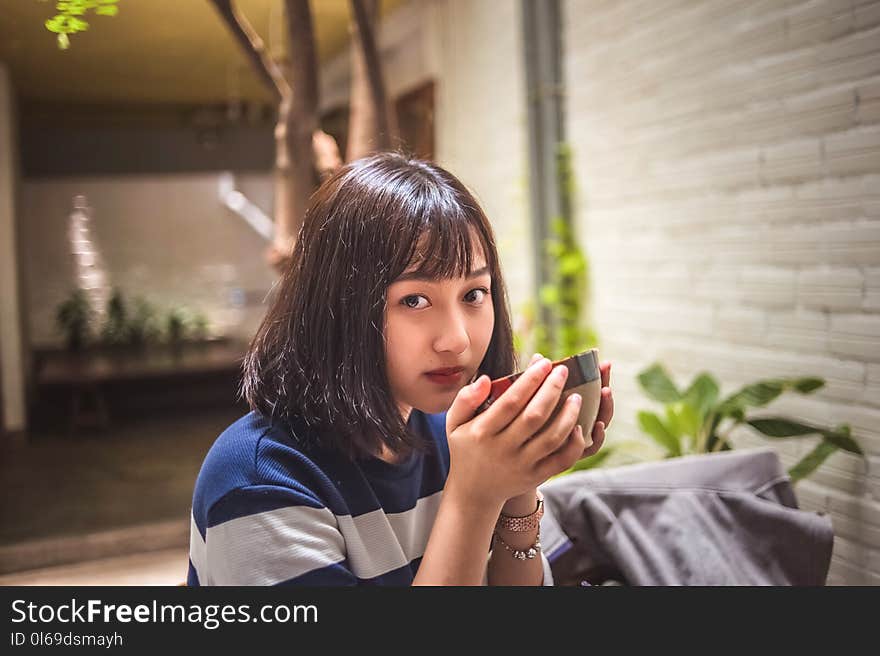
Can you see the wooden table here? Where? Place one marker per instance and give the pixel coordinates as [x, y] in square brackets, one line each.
[89, 372]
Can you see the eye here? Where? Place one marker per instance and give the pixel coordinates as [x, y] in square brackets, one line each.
[483, 292]
[412, 297]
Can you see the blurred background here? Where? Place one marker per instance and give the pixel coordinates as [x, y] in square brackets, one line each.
[691, 187]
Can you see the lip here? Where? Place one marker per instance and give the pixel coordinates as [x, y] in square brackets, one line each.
[445, 378]
[446, 371]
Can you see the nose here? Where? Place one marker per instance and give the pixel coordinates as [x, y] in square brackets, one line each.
[452, 334]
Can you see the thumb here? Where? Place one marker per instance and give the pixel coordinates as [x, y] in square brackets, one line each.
[466, 403]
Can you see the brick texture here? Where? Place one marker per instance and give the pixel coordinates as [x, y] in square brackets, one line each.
[727, 156]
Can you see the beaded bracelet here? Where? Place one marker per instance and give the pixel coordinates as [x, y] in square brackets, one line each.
[522, 554]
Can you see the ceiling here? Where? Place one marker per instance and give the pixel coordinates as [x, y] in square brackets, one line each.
[152, 52]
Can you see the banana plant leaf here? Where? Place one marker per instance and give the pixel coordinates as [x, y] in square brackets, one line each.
[811, 461]
[654, 426]
[763, 392]
[657, 384]
[702, 394]
[782, 428]
[682, 419]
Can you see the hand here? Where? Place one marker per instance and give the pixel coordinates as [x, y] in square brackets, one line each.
[606, 408]
[511, 447]
[606, 411]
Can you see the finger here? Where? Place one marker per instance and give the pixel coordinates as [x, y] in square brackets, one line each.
[556, 433]
[511, 402]
[535, 358]
[598, 440]
[606, 407]
[563, 458]
[605, 373]
[466, 403]
[539, 411]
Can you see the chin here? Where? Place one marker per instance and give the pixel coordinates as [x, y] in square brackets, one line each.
[439, 403]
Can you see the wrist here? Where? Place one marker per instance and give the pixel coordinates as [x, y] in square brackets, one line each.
[470, 504]
[522, 504]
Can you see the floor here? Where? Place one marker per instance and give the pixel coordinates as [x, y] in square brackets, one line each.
[164, 567]
[101, 494]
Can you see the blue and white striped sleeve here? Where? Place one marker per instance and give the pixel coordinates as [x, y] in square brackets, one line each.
[270, 535]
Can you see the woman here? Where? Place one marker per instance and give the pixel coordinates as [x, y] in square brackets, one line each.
[362, 461]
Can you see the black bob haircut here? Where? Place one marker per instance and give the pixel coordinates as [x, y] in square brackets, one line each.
[319, 354]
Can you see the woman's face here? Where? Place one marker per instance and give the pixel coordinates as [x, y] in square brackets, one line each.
[436, 324]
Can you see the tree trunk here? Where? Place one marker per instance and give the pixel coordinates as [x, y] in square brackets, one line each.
[302, 121]
[362, 119]
[372, 122]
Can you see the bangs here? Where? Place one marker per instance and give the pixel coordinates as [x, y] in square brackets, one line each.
[444, 243]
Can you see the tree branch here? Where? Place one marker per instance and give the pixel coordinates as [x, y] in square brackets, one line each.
[254, 48]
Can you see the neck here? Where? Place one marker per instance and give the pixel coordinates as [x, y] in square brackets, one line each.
[389, 457]
[405, 411]
[387, 454]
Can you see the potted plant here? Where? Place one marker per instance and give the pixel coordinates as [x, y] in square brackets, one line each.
[74, 317]
[114, 332]
[175, 328]
[142, 326]
[696, 421]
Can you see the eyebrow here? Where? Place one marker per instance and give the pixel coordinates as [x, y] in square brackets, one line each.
[415, 275]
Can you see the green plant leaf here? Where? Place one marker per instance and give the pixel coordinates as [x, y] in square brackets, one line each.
[79, 25]
[807, 385]
[651, 424]
[687, 418]
[56, 24]
[738, 414]
[672, 423]
[110, 10]
[841, 438]
[702, 393]
[808, 464]
[757, 395]
[549, 295]
[657, 384]
[571, 264]
[763, 392]
[782, 428]
[779, 427]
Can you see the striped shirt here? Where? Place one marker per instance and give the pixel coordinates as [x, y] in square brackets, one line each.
[269, 511]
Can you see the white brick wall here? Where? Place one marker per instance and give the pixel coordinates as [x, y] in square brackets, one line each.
[728, 161]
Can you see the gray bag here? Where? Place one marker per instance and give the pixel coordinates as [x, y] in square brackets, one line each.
[722, 519]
